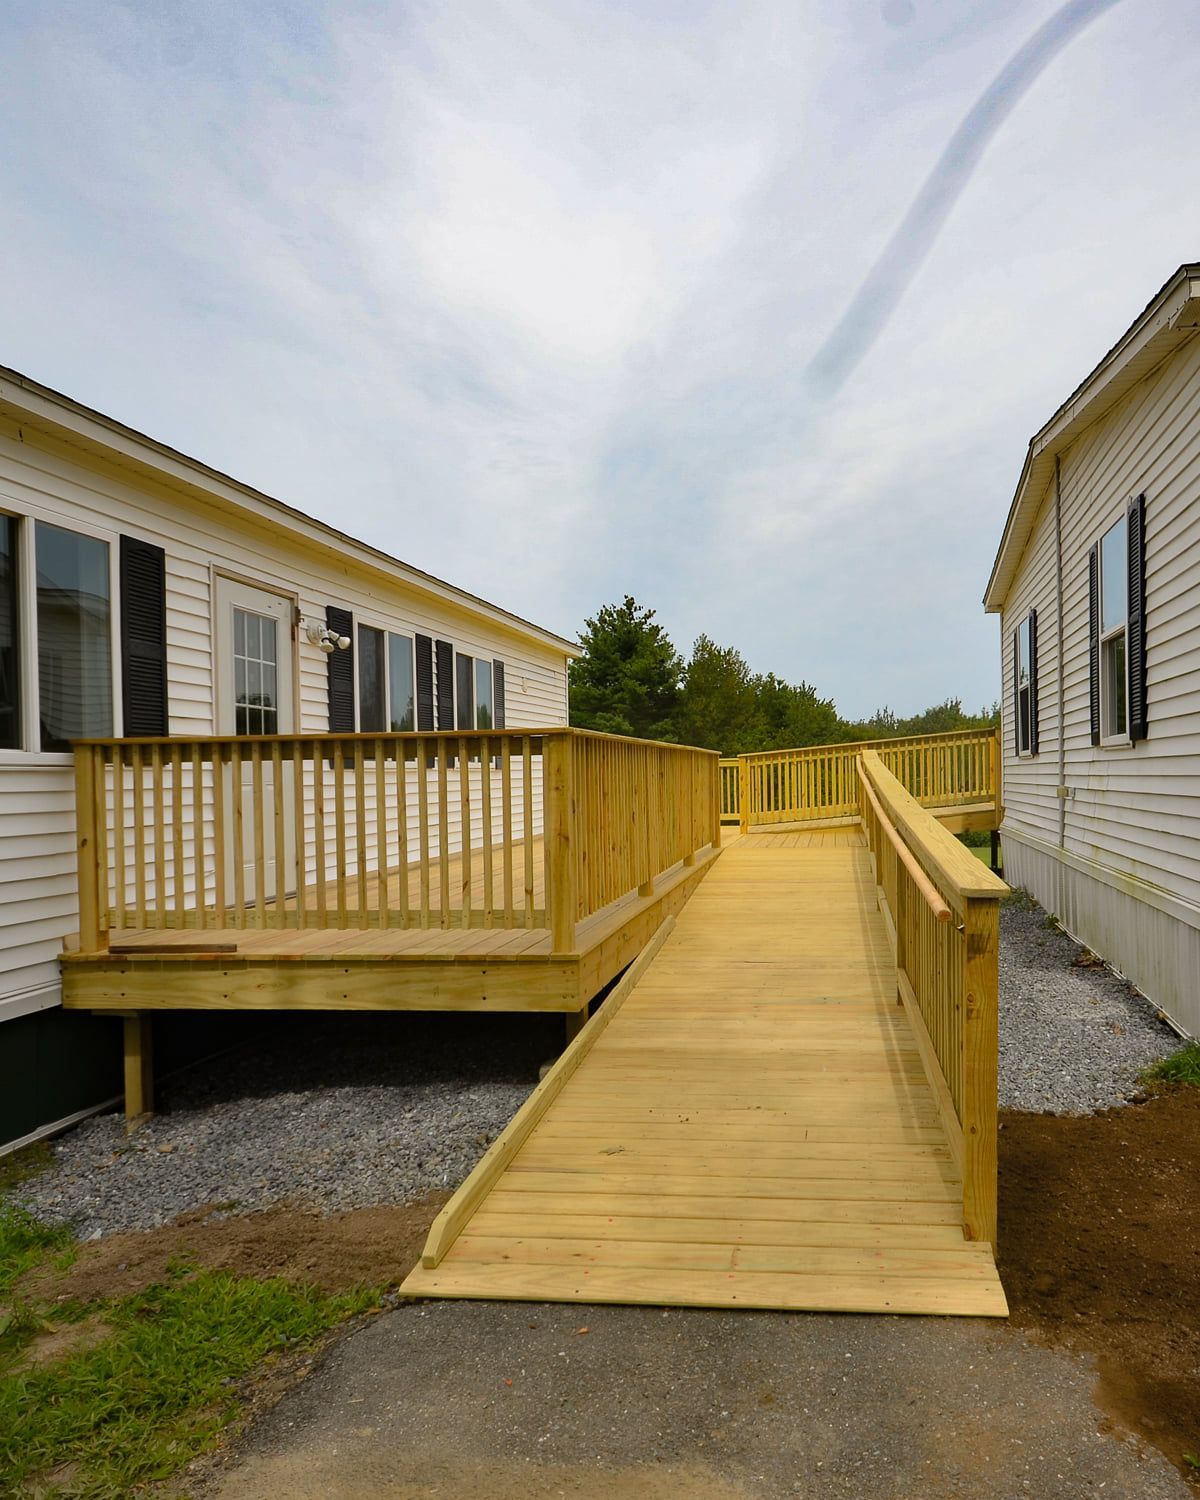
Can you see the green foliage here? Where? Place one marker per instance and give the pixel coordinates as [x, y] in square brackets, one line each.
[156, 1388]
[24, 1243]
[631, 680]
[627, 680]
[1181, 1067]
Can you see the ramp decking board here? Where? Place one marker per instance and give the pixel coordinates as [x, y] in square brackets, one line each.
[753, 1128]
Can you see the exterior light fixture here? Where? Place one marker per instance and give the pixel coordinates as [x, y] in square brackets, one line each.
[320, 635]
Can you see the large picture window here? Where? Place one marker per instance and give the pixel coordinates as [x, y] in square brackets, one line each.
[1114, 634]
[10, 642]
[372, 682]
[74, 638]
[401, 707]
[1025, 690]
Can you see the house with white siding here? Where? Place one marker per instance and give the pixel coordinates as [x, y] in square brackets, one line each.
[1097, 585]
[145, 594]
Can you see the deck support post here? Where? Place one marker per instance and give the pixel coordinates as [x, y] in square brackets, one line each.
[139, 1065]
[575, 1021]
[86, 850]
[743, 794]
[981, 935]
[562, 879]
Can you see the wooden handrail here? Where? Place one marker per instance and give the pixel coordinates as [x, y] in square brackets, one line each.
[928, 890]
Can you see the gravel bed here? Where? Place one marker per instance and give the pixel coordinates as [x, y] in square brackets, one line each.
[1073, 1035]
[353, 1111]
[347, 1112]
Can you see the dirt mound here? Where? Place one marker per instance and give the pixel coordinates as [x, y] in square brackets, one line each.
[365, 1246]
[1100, 1250]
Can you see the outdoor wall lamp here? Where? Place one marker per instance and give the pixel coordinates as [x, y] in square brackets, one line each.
[320, 635]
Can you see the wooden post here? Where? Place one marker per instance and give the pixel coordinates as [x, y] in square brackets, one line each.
[559, 817]
[86, 852]
[139, 1066]
[575, 1021]
[743, 794]
[900, 917]
[981, 937]
[716, 810]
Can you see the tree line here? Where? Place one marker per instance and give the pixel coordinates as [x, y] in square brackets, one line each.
[631, 680]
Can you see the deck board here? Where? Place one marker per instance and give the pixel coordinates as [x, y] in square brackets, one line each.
[753, 1128]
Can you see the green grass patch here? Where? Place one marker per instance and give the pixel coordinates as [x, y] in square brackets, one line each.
[19, 1166]
[157, 1387]
[1181, 1067]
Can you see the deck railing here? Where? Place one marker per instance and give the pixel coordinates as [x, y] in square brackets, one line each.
[515, 828]
[731, 800]
[821, 781]
[942, 908]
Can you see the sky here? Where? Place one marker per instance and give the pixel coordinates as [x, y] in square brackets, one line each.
[532, 294]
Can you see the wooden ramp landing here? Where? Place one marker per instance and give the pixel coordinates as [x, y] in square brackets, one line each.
[750, 1127]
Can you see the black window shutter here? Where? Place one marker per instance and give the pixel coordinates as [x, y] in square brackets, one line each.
[1033, 683]
[444, 653]
[1016, 697]
[424, 649]
[1136, 531]
[341, 673]
[1094, 639]
[143, 637]
[498, 695]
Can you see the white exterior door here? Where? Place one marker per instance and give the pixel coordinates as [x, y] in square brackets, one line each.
[254, 697]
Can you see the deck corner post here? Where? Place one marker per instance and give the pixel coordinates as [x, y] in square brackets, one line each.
[743, 794]
[87, 853]
[980, 1043]
[562, 882]
[139, 1065]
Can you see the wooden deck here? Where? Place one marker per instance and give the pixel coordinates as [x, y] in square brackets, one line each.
[753, 1125]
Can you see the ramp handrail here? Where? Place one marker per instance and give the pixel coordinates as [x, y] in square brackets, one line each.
[947, 971]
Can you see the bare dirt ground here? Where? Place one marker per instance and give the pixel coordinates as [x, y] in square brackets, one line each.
[1098, 1367]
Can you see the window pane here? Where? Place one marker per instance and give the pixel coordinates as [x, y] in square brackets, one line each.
[400, 684]
[1114, 685]
[74, 641]
[1114, 579]
[466, 691]
[483, 694]
[1023, 653]
[1023, 720]
[10, 658]
[370, 679]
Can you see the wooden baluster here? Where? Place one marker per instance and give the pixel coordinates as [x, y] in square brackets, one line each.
[381, 839]
[138, 793]
[527, 824]
[157, 832]
[199, 845]
[359, 762]
[279, 914]
[402, 832]
[340, 840]
[258, 822]
[466, 835]
[240, 918]
[423, 826]
[220, 852]
[319, 761]
[443, 757]
[981, 939]
[178, 914]
[506, 826]
[485, 810]
[119, 890]
[300, 834]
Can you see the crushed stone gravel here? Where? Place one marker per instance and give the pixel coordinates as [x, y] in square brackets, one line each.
[1074, 1036]
[333, 1112]
[355, 1111]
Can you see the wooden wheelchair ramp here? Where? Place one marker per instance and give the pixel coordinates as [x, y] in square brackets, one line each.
[745, 1122]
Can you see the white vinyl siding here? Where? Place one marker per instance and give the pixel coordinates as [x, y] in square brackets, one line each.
[201, 539]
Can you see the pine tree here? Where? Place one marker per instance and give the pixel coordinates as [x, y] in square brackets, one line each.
[627, 680]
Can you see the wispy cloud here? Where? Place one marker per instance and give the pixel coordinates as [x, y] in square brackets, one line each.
[525, 292]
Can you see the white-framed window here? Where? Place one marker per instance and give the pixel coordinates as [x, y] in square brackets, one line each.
[59, 657]
[1113, 633]
[475, 692]
[385, 687]
[1026, 703]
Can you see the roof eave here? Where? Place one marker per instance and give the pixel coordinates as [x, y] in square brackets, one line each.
[1172, 317]
[49, 409]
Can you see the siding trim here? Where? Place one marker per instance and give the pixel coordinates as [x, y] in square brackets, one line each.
[1129, 885]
